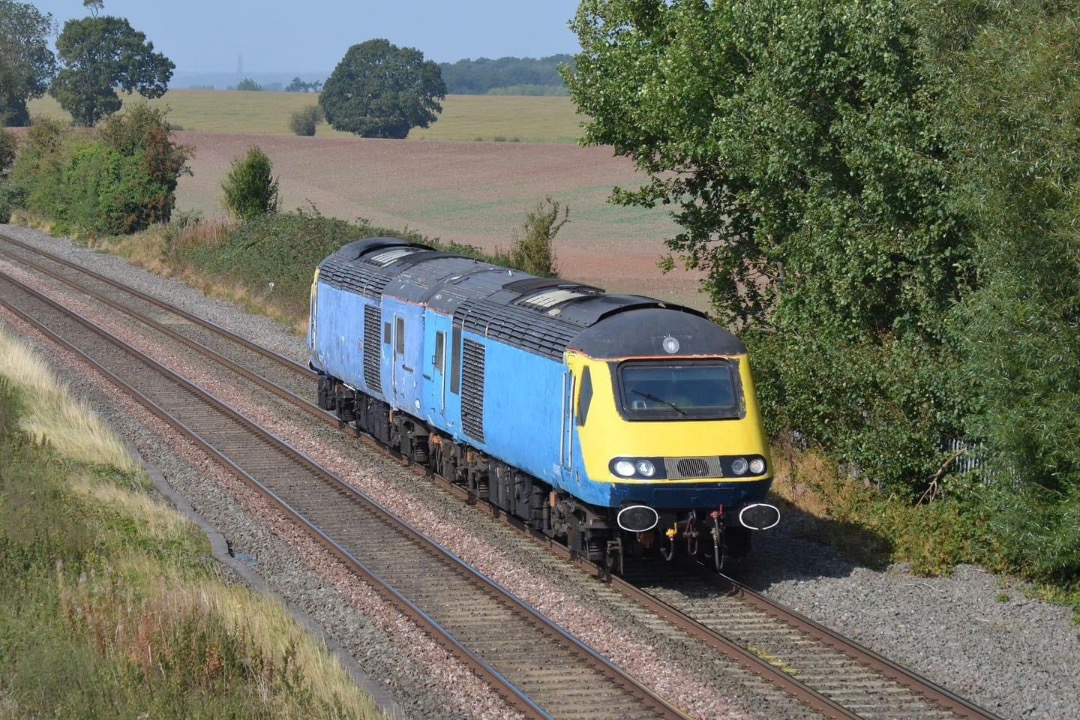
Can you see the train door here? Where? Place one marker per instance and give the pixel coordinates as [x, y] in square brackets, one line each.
[400, 372]
[436, 345]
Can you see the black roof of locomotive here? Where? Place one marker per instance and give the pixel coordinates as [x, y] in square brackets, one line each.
[542, 315]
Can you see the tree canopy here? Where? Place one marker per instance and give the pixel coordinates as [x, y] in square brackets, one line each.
[100, 54]
[884, 197]
[379, 90]
[26, 62]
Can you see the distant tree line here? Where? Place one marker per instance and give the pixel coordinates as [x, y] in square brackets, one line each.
[299, 85]
[529, 76]
[505, 76]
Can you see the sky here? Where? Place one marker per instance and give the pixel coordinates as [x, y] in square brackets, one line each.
[272, 36]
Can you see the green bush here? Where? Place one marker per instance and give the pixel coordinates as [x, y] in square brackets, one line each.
[107, 193]
[533, 249]
[305, 122]
[250, 188]
[9, 198]
[122, 182]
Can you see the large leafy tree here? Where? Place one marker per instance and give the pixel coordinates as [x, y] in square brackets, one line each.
[99, 55]
[26, 62]
[794, 140]
[379, 90]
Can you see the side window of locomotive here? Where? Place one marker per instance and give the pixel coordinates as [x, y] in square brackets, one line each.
[440, 351]
[584, 397]
[399, 335]
[386, 333]
[455, 361]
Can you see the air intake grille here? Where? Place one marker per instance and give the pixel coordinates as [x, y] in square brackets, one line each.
[695, 467]
[472, 390]
[517, 326]
[361, 278]
[372, 348]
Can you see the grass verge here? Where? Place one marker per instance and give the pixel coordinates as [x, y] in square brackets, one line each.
[110, 603]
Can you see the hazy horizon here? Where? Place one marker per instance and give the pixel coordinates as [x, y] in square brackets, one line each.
[244, 38]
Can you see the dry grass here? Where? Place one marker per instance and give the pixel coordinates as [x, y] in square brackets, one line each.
[152, 250]
[135, 613]
[52, 412]
[465, 118]
[149, 601]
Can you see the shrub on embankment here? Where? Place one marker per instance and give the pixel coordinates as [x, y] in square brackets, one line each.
[120, 178]
[110, 604]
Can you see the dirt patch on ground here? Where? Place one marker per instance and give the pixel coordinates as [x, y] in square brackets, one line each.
[476, 193]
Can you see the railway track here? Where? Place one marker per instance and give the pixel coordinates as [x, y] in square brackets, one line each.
[828, 673]
[864, 683]
[478, 621]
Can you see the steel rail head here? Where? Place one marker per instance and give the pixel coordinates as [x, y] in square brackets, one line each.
[302, 369]
[947, 699]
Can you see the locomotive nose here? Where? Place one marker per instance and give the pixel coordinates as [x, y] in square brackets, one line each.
[637, 518]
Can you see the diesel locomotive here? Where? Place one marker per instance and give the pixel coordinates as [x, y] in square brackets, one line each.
[621, 425]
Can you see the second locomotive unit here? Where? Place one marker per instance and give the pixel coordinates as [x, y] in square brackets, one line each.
[616, 423]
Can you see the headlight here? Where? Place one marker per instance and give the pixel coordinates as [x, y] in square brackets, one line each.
[646, 468]
[625, 468]
[757, 466]
[739, 466]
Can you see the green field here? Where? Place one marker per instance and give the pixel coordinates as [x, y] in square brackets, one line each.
[464, 118]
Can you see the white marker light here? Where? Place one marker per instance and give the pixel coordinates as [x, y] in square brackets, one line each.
[644, 467]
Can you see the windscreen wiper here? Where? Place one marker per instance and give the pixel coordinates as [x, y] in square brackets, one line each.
[662, 401]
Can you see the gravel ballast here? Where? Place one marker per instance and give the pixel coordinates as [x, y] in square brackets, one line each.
[972, 632]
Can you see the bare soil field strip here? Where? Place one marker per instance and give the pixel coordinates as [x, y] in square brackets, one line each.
[440, 182]
[474, 193]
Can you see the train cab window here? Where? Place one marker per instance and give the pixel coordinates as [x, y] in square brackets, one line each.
[399, 335]
[702, 390]
[584, 397]
[386, 333]
[439, 360]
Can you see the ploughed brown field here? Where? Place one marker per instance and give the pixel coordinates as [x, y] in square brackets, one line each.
[469, 192]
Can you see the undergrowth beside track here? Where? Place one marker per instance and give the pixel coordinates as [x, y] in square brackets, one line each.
[110, 603]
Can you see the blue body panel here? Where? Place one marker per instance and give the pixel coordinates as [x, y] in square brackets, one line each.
[523, 408]
[337, 344]
[402, 360]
